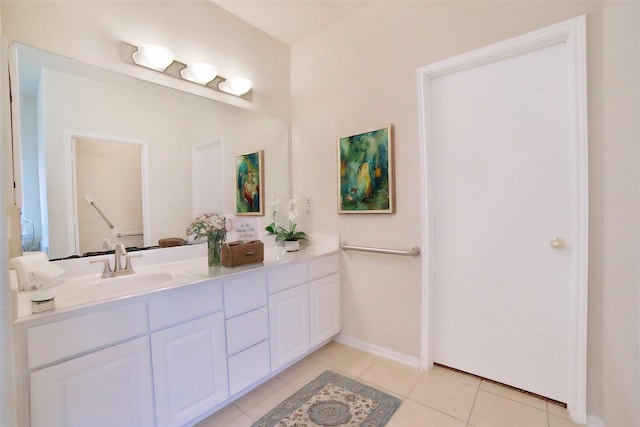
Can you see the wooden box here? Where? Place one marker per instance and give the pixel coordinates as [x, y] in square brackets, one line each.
[239, 253]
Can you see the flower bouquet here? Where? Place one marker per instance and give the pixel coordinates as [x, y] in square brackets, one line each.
[213, 226]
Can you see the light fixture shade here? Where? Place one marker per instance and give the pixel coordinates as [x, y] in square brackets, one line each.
[199, 72]
[236, 85]
[153, 56]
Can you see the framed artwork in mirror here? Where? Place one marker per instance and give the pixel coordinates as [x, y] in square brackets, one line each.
[365, 167]
[250, 184]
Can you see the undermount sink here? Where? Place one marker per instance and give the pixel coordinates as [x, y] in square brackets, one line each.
[135, 279]
[115, 286]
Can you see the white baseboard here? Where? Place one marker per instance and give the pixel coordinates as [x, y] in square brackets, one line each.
[379, 351]
[593, 421]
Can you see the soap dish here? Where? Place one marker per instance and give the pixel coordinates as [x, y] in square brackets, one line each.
[40, 305]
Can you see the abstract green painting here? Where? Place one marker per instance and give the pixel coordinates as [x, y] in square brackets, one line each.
[249, 184]
[365, 184]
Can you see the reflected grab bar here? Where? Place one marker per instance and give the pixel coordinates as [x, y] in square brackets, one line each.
[130, 234]
[92, 202]
[414, 252]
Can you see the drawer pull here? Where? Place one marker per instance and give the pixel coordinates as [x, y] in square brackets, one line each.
[248, 254]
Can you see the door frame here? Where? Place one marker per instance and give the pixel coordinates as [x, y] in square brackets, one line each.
[73, 233]
[572, 33]
[196, 209]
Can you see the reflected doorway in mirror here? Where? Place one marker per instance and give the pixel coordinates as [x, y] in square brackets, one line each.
[111, 171]
[207, 172]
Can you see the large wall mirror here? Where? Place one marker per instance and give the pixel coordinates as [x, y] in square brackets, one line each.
[130, 147]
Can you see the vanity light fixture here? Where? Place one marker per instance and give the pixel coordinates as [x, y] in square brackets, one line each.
[236, 85]
[161, 59]
[199, 72]
[153, 56]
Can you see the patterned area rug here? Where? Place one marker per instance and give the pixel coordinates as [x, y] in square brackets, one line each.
[332, 400]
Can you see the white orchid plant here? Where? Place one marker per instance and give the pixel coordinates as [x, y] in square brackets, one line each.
[290, 233]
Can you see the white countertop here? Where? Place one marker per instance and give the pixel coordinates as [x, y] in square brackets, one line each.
[156, 273]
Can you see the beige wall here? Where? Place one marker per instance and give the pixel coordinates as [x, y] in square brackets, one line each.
[361, 73]
[621, 201]
[92, 32]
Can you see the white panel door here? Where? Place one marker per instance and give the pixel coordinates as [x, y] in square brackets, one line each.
[207, 177]
[189, 369]
[501, 194]
[111, 387]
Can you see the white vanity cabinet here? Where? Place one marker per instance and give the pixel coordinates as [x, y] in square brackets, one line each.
[324, 299]
[106, 388]
[90, 369]
[189, 355]
[245, 302]
[288, 313]
[172, 356]
[289, 325]
[304, 307]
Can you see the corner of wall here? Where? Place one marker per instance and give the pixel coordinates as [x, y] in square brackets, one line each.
[379, 351]
[7, 390]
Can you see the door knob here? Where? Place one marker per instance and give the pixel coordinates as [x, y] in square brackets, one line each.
[557, 243]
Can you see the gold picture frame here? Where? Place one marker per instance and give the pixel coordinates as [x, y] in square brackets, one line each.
[250, 184]
[366, 172]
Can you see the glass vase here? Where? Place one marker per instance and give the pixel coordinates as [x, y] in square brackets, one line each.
[214, 253]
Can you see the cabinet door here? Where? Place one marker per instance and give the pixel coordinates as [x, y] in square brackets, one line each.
[189, 369]
[288, 325]
[110, 387]
[248, 367]
[324, 306]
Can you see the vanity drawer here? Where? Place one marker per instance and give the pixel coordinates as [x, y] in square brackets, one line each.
[287, 277]
[244, 294]
[324, 266]
[247, 330]
[58, 340]
[249, 366]
[184, 304]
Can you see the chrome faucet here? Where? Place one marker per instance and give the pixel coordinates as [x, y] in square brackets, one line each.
[106, 244]
[118, 270]
[119, 252]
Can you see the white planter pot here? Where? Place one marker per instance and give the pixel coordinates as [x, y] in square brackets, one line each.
[292, 245]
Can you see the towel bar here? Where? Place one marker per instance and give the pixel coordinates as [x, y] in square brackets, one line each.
[130, 234]
[415, 251]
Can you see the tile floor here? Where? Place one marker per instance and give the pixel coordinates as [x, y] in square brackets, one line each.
[437, 398]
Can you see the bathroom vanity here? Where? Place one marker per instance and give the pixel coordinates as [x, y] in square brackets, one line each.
[176, 347]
